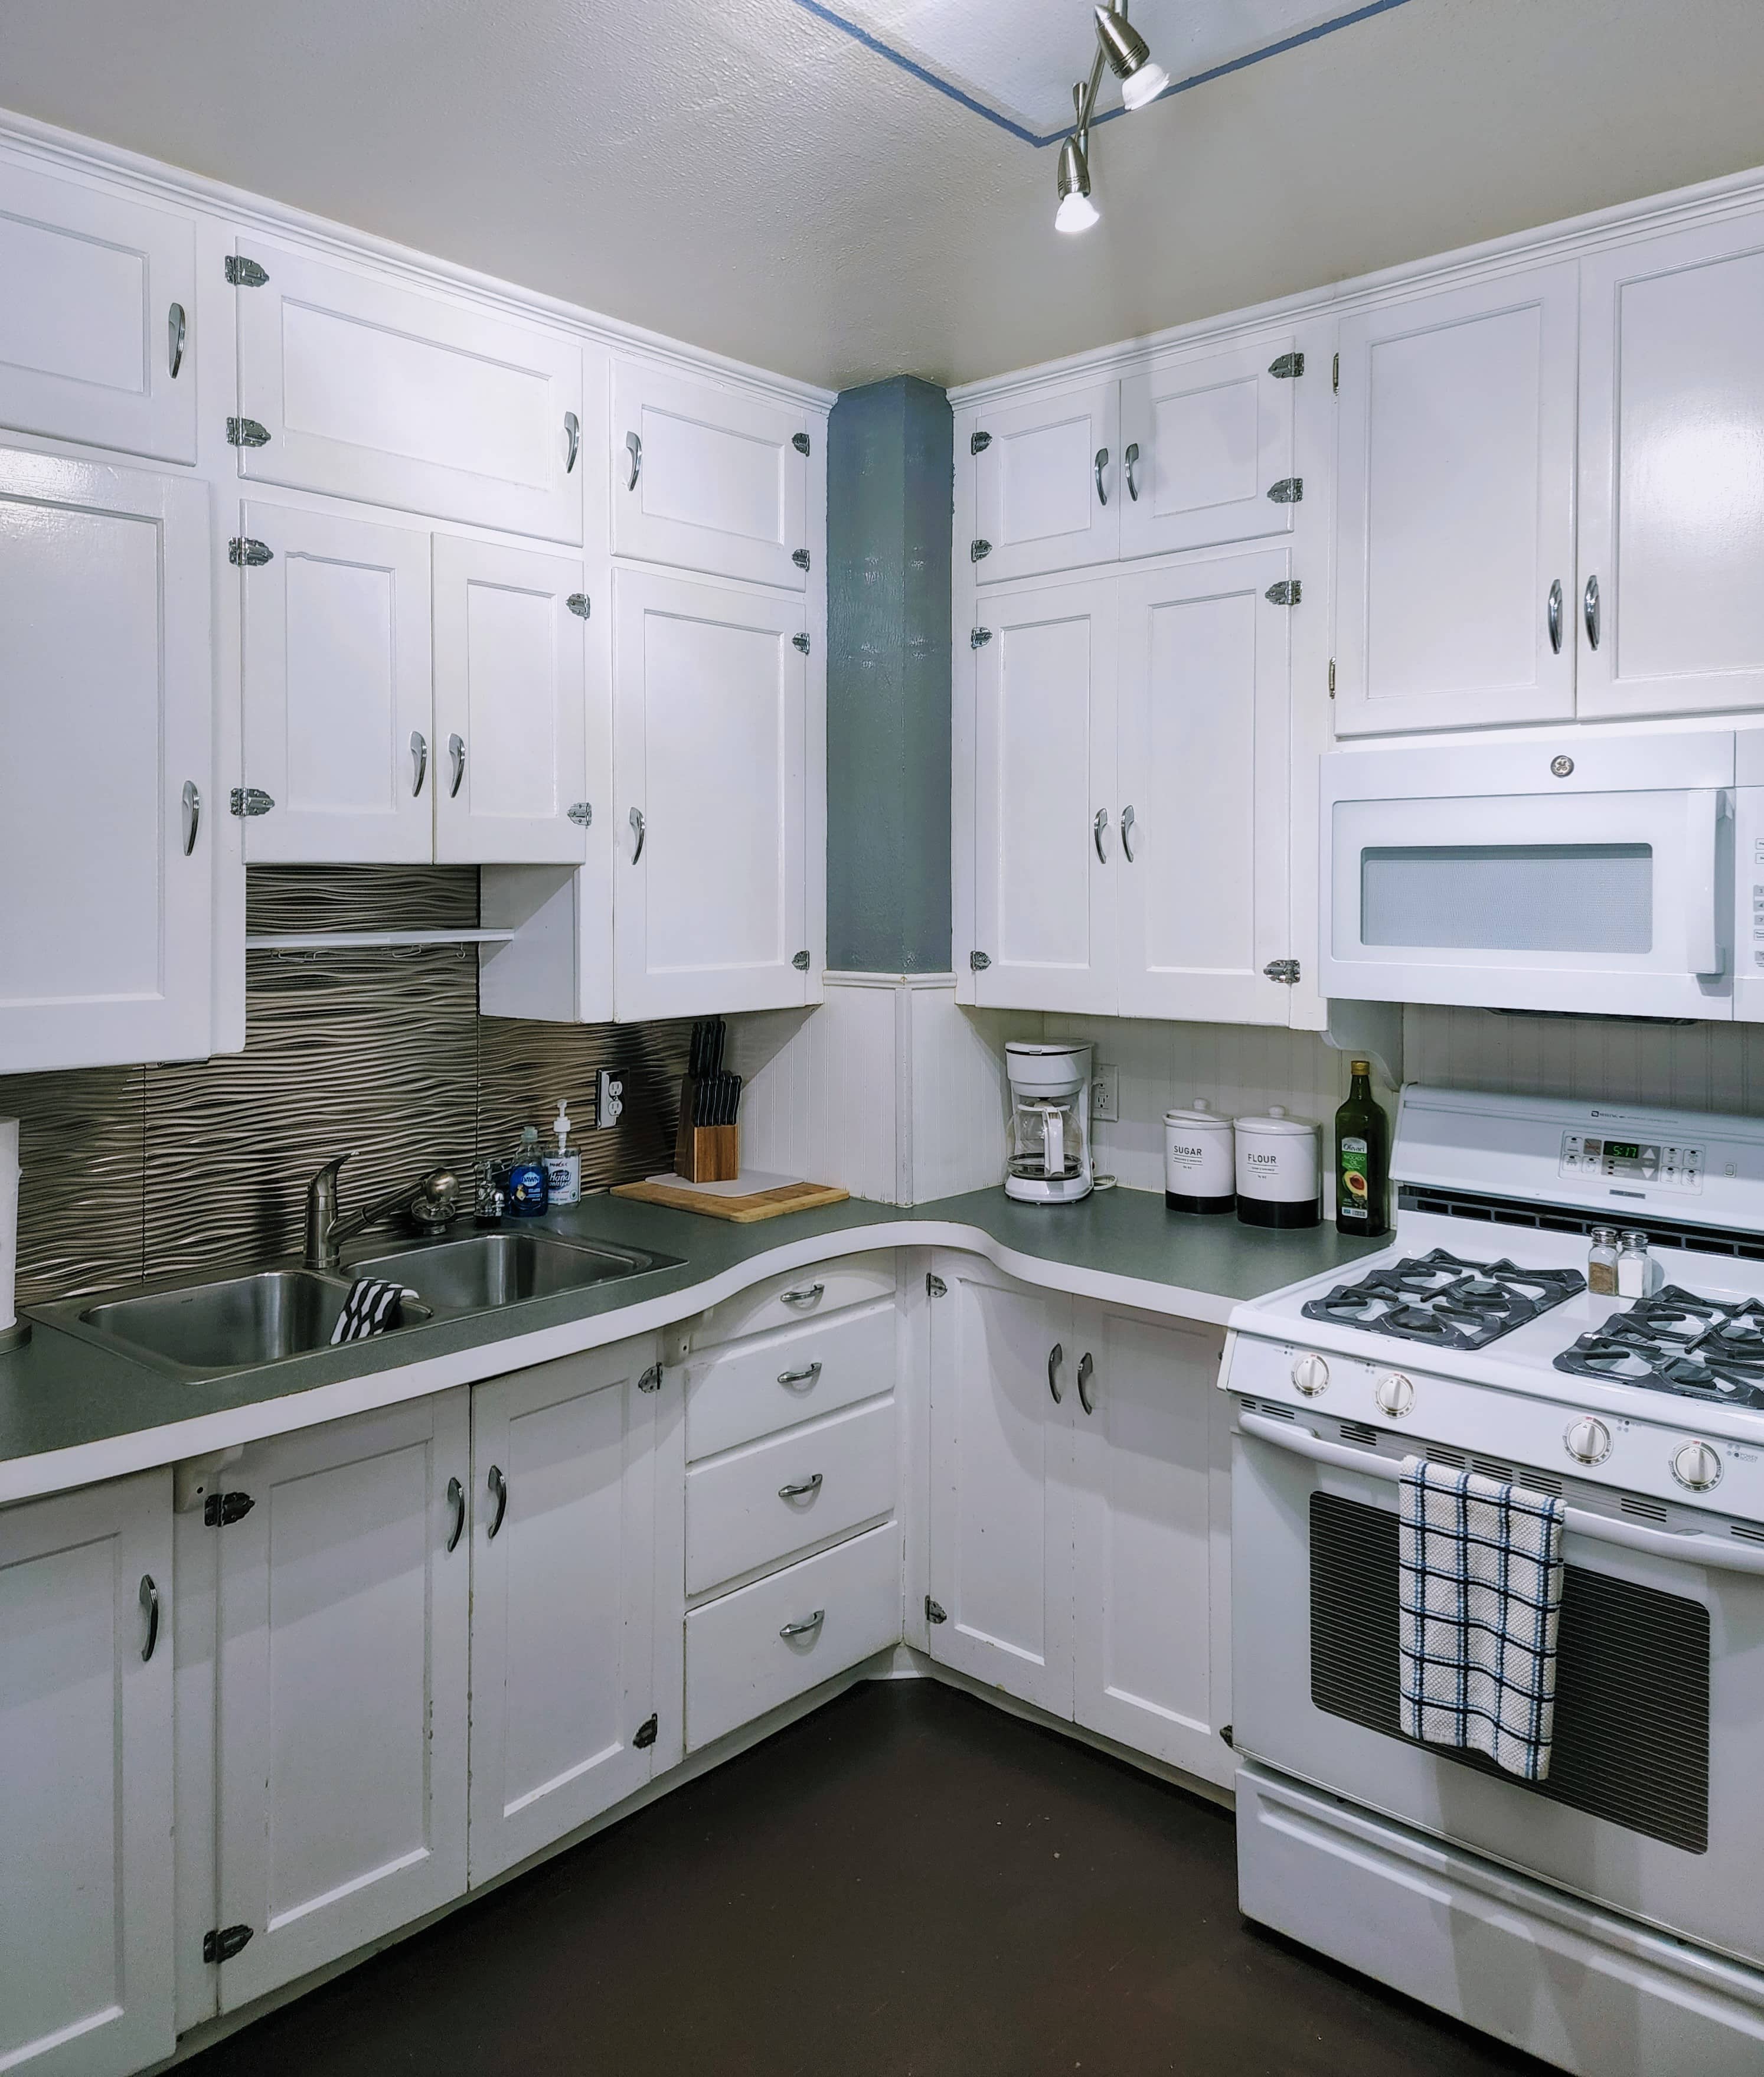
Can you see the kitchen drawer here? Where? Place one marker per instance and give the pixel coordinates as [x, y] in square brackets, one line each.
[754, 1388]
[739, 1515]
[737, 1665]
[806, 1294]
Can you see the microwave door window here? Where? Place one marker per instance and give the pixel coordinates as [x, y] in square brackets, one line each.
[1588, 899]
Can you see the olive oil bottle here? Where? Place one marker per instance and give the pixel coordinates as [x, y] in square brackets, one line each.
[1363, 1158]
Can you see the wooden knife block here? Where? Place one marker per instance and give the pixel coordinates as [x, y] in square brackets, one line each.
[705, 1153]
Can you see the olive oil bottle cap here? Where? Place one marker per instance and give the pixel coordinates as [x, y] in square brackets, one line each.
[1359, 1066]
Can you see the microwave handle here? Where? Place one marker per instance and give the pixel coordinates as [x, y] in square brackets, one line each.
[1703, 955]
[1692, 1548]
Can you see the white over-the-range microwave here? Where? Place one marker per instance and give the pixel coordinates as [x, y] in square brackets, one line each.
[1615, 874]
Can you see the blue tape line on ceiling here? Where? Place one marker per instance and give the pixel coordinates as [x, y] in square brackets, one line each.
[874, 43]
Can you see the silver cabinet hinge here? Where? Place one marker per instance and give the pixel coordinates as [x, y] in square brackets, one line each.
[934, 1611]
[800, 442]
[223, 1942]
[800, 961]
[1285, 971]
[1288, 367]
[979, 443]
[245, 554]
[934, 1285]
[1332, 677]
[220, 1509]
[801, 558]
[800, 641]
[980, 961]
[645, 1732]
[651, 1378]
[582, 812]
[578, 603]
[979, 637]
[1335, 373]
[244, 273]
[248, 801]
[1288, 592]
[1289, 490]
[247, 433]
[979, 551]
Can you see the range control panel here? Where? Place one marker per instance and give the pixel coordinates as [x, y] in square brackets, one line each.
[1667, 1167]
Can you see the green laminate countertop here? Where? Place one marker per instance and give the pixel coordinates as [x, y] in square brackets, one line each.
[71, 1412]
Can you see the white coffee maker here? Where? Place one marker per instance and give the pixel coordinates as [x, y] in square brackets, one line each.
[1047, 1157]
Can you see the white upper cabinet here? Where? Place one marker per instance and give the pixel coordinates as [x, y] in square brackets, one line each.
[1672, 474]
[352, 382]
[709, 798]
[1045, 840]
[108, 798]
[97, 316]
[1207, 449]
[1455, 562]
[1048, 483]
[509, 725]
[1202, 823]
[337, 698]
[709, 478]
[85, 1784]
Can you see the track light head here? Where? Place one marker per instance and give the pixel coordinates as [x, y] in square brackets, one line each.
[1077, 210]
[1142, 79]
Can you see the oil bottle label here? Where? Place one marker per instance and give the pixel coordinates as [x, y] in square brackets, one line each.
[1356, 1183]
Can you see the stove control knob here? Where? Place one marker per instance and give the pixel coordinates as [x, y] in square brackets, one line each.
[1395, 1394]
[1696, 1465]
[1588, 1441]
[1310, 1374]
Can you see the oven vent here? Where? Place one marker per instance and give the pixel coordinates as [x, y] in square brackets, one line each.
[1543, 1482]
[1269, 1409]
[1644, 1510]
[1357, 1431]
[1491, 1470]
[1746, 1532]
[1566, 1219]
[1455, 1458]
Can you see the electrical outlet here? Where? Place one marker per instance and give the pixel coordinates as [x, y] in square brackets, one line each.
[608, 1098]
[1104, 1094]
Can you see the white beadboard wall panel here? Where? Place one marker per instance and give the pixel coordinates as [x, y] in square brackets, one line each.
[820, 1100]
[959, 1099]
[1692, 1066]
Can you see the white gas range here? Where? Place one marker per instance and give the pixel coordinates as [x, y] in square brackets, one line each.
[1610, 1917]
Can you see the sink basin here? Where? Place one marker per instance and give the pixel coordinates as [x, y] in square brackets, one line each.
[233, 1324]
[478, 1274]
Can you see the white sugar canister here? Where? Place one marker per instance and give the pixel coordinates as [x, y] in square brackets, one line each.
[1198, 1174]
[1279, 1182]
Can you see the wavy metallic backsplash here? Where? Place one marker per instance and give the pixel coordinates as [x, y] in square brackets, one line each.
[142, 1172]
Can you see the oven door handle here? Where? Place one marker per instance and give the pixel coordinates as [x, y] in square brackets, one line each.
[1690, 1548]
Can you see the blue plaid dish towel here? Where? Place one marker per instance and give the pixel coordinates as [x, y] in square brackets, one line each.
[1481, 1571]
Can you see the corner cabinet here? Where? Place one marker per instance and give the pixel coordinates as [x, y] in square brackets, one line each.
[1045, 485]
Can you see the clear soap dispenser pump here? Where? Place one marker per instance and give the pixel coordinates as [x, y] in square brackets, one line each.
[563, 1169]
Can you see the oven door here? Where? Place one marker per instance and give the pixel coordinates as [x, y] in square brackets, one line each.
[1652, 1805]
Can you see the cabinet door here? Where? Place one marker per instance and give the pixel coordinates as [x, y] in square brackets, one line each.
[96, 324]
[510, 720]
[343, 1688]
[719, 480]
[1671, 488]
[1152, 1532]
[85, 1781]
[1206, 445]
[1205, 696]
[1003, 1367]
[1047, 484]
[1044, 807]
[337, 703]
[710, 802]
[390, 394]
[1455, 507]
[107, 792]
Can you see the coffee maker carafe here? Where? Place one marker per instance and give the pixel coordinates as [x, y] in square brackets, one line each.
[1047, 1159]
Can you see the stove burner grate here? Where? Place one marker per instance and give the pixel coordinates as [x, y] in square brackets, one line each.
[1710, 1349]
[1451, 1304]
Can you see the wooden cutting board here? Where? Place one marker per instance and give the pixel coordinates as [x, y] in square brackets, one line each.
[740, 1209]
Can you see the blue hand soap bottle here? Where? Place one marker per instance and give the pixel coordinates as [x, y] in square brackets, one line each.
[526, 1177]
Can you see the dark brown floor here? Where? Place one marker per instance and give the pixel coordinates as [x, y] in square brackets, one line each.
[909, 1883]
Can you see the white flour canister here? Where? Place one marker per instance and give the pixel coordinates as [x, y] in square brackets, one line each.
[1279, 1182]
[1198, 1173]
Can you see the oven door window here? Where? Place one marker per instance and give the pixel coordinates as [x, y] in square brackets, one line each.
[1592, 898]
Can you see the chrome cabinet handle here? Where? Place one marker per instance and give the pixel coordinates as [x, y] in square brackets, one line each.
[1056, 1355]
[1590, 607]
[810, 1485]
[633, 444]
[1554, 616]
[804, 1294]
[572, 427]
[499, 1486]
[1098, 830]
[175, 326]
[1132, 460]
[456, 751]
[1101, 463]
[804, 1629]
[637, 824]
[193, 814]
[419, 753]
[150, 1607]
[456, 1500]
[1126, 832]
[1086, 1368]
[809, 1374]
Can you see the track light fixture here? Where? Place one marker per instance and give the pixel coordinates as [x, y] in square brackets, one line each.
[1121, 47]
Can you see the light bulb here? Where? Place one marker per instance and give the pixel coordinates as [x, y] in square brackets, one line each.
[1076, 212]
[1144, 86]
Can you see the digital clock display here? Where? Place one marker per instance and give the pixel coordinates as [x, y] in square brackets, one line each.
[1620, 1150]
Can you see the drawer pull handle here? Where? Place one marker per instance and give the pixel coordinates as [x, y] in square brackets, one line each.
[801, 1487]
[809, 1374]
[804, 1295]
[793, 1630]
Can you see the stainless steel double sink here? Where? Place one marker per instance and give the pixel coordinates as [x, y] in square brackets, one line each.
[200, 1327]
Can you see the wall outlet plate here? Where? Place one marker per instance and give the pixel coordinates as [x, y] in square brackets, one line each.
[608, 1098]
[1104, 1093]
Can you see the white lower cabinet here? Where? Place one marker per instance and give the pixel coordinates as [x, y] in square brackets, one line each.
[85, 1781]
[563, 1598]
[344, 1592]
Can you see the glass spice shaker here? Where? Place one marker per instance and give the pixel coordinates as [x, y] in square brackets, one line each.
[1601, 1263]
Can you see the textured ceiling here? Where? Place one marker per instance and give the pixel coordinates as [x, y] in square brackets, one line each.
[745, 175]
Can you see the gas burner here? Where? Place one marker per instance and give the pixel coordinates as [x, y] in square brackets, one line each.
[1699, 1348]
[1452, 1304]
